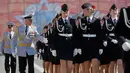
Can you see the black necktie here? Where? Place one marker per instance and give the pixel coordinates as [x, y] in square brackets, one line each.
[114, 21]
[88, 20]
[65, 21]
[26, 30]
[10, 36]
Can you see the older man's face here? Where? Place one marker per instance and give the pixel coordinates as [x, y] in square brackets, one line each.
[27, 21]
[10, 28]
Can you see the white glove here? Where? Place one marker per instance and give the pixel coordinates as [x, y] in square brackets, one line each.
[114, 41]
[45, 40]
[14, 55]
[54, 53]
[50, 49]
[75, 52]
[100, 51]
[79, 51]
[105, 43]
[40, 51]
[126, 46]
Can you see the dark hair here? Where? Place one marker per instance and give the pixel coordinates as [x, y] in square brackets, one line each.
[64, 7]
[45, 27]
[78, 17]
[108, 15]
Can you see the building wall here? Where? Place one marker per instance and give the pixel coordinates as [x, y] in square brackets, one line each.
[11, 8]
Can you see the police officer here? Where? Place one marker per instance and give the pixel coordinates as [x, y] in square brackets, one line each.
[27, 35]
[122, 31]
[64, 28]
[8, 47]
[91, 33]
[112, 51]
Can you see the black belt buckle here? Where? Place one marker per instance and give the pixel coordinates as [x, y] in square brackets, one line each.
[91, 38]
[88, 38]
[68, 38]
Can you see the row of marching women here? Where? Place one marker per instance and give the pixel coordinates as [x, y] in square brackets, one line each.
[88, 44]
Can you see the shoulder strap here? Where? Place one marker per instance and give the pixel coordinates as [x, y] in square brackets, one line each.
[126, 20]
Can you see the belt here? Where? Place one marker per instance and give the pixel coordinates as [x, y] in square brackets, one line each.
[7, 46]
[24, 45]
[66, 35]
[21, 37]
[89, 35]
[111, 34]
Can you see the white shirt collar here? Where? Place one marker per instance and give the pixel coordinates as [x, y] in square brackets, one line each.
[12, 33]
[28, 25]
[91, 18]
[65, 18]
[115, 18]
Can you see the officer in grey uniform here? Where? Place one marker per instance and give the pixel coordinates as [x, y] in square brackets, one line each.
[8, 47]
[27, 36]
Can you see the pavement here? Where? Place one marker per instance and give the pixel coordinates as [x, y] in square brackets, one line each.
[37, 65]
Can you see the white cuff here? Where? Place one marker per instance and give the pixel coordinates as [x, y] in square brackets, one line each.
[75, 52]
[54, 53]
[126, 46]
[79, 51]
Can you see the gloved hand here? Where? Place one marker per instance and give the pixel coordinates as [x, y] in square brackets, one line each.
[40, 51]
[1, 53]
[126, 46]
[75, 52]
[114, 41]
[14, 55]
[54, 53]
[38, 55]
[100, 51]
[105, 43]
[79, 51]
[45, 40]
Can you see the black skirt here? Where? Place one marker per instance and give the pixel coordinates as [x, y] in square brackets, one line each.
[91, 49]
[56, 60]
[104, 57]
[46, 56]
[111, 53]
[114, 51]
[65, 48]
[78, 59]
